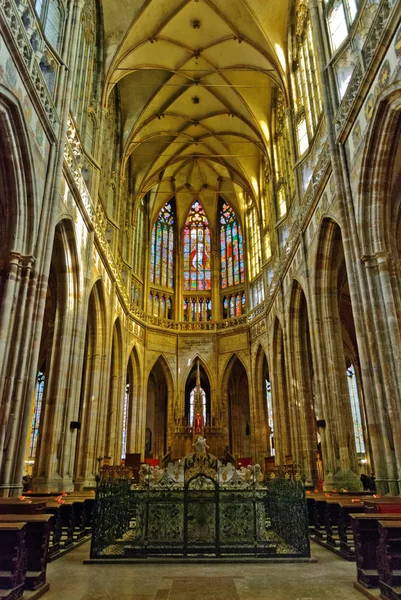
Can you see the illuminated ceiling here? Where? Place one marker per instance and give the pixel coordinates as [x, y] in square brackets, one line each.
[195, 81]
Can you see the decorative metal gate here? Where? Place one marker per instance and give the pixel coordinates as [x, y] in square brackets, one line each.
[200, 513]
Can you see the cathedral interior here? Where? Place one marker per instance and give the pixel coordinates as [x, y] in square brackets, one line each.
[200, 268]
[200, 227]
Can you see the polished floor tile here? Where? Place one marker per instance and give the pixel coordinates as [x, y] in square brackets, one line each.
[331, 578]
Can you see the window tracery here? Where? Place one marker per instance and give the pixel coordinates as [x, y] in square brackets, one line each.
[254, 244]
[85, 69]
[355, 409]
[270, 420]
[197, 250]
[234, 305]
[305, 81]
[197, 308]
[37, 410]
[231, 248]
[192, 404]
[283, 157]
[125, 421]
[162, 249]
[340, 14]
[51, 14]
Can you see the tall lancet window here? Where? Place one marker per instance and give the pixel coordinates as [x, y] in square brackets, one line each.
[231, 248]
[162, 259]
[197, 270]
[356, 410]
[192, 405]
[270, 417]
[37, 409]
[125, 422]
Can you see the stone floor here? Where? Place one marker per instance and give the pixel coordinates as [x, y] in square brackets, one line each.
[330, 578]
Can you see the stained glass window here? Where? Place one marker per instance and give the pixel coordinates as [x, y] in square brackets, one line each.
[356, 410]
[162, 260]
[37, 409]
[231, 248]
[234, 305]
[270, 417]
[305, 84]
[254, 246]
[191, 405]
[197, 252]
[125, 422]
[139, 241]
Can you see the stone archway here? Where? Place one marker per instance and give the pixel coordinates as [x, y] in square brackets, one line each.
[91, 415]
[281, 405]
[53, 467]
[159, 429]
[338, 440]
[238, 415]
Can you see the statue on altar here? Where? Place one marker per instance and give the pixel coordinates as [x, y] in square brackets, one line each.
[200, 445]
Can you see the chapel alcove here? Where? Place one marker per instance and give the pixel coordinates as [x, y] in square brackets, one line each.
[156, 413]
[239, 417]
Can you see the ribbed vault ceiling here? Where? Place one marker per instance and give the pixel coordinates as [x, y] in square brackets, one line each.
[195, 79]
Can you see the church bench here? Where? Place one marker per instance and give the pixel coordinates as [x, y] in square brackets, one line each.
[64, 523]
[16, 506]
[319, 518]
[389, 559]
[365, 528]
[383, 505]
[37, 535]
[89, 507]
[78, 510]
[12, 560]
[347, 549]
[32, 507]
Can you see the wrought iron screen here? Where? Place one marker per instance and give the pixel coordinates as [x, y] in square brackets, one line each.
[196, 512]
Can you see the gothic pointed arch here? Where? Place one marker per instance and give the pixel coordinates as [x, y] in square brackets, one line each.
[19, 219]
[159, 409]
[236, 406]
[303, 409]
[264, 405]
[94, 384]
[279, 382]
[116, 394]
[131, 412]
[336, 311]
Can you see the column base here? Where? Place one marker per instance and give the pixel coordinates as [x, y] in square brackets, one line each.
[347, 480]
[10, 490]
[82, 485]
[54, 484]
[342, 480]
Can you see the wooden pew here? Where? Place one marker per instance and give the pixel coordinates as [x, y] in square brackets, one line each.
[37, 541]
[347, 549]
[64, 524]
[16, 506]
[389, 559]
[23, 508]
[12, 560]
[383, 505]
[365, 527]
